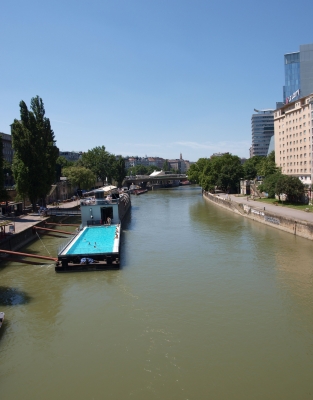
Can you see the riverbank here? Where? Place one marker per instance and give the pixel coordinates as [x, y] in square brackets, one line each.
[289, 220]
[23, 232]
[23, 229]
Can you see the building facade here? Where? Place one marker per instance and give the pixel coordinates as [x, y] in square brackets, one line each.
[293, 138]
[298, 74]
[262, 127]
[7, 147]
[177, 164]
[71, 155]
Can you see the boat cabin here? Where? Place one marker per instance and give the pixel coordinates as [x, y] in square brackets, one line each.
[104, 207]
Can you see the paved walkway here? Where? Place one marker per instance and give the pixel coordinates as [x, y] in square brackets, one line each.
[22, 222]
[26, 221]
[69, 204]
[279, 210]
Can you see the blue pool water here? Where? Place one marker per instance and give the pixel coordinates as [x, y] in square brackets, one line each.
[94, 240]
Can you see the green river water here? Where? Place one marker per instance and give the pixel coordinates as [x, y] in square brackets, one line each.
[206, 305]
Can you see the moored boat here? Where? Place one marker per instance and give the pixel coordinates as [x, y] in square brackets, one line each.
[1, 318]
[97, 245]
[140, 191]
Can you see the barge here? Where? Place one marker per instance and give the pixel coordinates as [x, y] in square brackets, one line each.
[96, 246]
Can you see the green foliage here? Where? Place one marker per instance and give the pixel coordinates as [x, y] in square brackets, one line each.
[3, 193]
[251, 166]
[166, 166]
[278, 184]
[119, 171]
[222, 172]
[267, 166]
[81, 177]
[269, 184]
[196, 169]
[100, 162]
[7, 167]
[63, 162]
[35, 152]
[142, 170]
[291, 186]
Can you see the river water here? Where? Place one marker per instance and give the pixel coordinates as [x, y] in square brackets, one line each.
[206, 305]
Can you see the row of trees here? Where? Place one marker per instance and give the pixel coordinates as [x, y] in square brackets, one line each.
[278, 184]
[95, 165]
[226, 171]
[222, 172]
[37, 165]
[142, 170]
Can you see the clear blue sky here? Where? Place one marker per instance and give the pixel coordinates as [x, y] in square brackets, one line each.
[148, 77]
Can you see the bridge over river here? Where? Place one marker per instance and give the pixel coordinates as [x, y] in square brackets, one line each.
[166, 180]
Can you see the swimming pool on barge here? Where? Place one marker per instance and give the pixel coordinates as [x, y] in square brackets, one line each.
[95, 240]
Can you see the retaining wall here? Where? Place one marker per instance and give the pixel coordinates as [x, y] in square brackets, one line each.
[296, 227]
[18, 240]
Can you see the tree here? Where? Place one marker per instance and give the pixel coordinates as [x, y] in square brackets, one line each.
[119, 172]
[267, 166]
[152, 168]
[251, 166]
[269, 184]
[223, 172]
[166, 166]
[100, 162]
[35, 152]
[63, 162]
[138, 170]
[196, 169]
[291, 186]
[80, 177]
[3, 193]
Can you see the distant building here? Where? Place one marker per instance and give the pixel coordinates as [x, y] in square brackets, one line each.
[218, 154]
[156, 161]
[71, 155]
[262, 127]
[271, 146]
[7, 147]
[177, 164]
[293, 138]
[298, 74]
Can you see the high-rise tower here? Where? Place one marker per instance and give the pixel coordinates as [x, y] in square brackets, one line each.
[262, 127]
[298, 73]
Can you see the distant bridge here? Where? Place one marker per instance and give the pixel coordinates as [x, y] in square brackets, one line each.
[142, 180]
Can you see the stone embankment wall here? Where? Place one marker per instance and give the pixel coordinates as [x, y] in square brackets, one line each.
[17, 241]
[296, 227]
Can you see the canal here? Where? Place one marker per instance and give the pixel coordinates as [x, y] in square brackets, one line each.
[206, 305]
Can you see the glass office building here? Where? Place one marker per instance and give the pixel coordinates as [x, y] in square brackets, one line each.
[262, 126]
[298, 73]
[292, 75]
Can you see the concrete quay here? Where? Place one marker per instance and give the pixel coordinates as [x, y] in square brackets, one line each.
[296, 222]
[23, 228]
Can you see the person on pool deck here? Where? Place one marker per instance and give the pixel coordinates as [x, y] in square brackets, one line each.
[109, 221]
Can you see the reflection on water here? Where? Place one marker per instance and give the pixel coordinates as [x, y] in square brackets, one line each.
[11, 296]
[207, 304]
